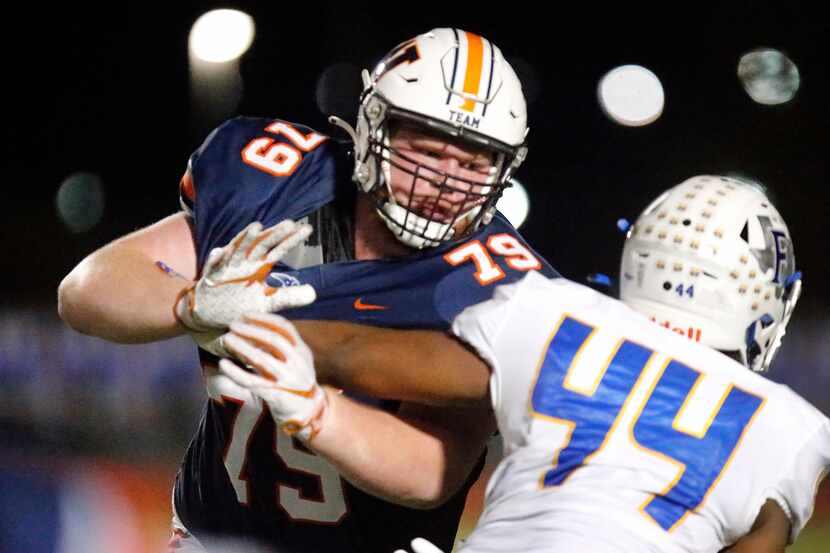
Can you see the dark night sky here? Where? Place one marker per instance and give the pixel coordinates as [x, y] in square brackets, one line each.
[108, 92]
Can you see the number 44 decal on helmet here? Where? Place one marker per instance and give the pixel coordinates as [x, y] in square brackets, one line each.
[689, 290]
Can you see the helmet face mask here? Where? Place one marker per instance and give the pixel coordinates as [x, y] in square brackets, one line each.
[423, 201]
[712, 259]
[456, 87]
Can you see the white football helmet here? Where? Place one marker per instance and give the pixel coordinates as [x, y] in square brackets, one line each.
[712, 259]
[453, 83]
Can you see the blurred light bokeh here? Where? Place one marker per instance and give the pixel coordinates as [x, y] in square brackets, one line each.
[221, 35]
[769, 76]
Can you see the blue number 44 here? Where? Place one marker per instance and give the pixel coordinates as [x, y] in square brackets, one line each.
[592, 414]
[688, 290]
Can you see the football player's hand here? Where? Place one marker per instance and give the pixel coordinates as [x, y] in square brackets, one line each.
[421, 545]
[283, 376]
[233, 280]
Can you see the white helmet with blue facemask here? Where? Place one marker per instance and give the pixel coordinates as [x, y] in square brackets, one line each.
[713, 259]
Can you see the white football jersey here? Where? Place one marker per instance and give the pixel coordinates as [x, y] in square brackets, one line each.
[621, 435]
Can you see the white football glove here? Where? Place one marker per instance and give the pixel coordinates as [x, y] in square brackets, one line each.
[233, 282]
[285, 379]
[421, 545]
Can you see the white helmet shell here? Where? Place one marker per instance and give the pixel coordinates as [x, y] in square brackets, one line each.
[712, 259]
[457, 77]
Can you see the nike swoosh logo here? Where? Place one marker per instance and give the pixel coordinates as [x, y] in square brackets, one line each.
[360, 306]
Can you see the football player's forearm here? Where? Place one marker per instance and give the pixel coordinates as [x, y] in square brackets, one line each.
[402, 461]
[120, 293]
[754, 544]
[412, 365]
[769, 534]
[378, 453]
[326, 339]
[120, 296]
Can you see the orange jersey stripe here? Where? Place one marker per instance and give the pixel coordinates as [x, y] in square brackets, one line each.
[472, 78]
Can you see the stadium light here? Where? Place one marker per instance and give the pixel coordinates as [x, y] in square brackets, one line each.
[221, 35]
[768, 76]
[515, 203]
[631, 95]
[80, 201]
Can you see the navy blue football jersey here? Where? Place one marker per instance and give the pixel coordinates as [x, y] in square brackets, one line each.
[243, 477]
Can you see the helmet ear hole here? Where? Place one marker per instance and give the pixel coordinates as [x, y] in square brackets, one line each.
[753, 351]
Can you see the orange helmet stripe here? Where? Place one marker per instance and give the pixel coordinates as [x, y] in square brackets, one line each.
[472, 77]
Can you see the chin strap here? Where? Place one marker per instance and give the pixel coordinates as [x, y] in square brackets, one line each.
[428, 232]
[337, 122]
[420, 232]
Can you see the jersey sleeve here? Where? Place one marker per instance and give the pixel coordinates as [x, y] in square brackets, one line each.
[187, 193]
[254, 169]
[494, 256]
[481, 325]
[500, 238]
[796, 490]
